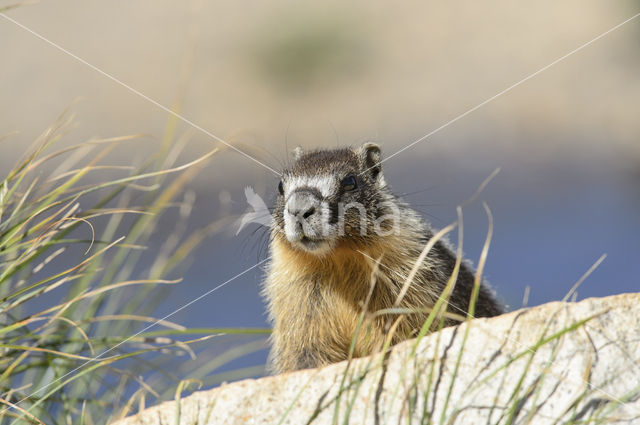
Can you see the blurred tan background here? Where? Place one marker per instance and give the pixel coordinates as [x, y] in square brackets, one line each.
[248, 71]
[268, 76]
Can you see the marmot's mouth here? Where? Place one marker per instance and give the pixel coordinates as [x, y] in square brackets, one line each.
[309, 242]
[313, 245]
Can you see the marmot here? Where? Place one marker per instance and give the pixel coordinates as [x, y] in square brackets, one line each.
[334, 219]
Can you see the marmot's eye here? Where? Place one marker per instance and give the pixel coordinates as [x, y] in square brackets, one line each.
[281, 188]
[349, 183]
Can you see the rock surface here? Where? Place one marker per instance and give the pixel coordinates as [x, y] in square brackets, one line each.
[556, 363]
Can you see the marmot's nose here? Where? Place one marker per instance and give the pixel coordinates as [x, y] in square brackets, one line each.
[302, 206]
[302, 213]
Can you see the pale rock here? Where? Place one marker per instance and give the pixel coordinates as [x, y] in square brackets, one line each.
[555, 363]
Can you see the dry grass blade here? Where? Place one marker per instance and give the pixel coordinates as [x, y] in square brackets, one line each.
[47, 138]
[90, 143]
[481, 263]
[112, 317]
[62, 307]
[584, 277]
[31, 417]
[418, 263]
[94, 168]
[26, 348]
[57, 275]
[47, 260]
[481, 188]
[73, 324]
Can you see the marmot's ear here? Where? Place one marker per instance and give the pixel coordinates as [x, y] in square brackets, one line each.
[297, 152]
[371, 157]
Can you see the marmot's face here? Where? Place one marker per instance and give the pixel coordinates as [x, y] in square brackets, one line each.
[330, 195]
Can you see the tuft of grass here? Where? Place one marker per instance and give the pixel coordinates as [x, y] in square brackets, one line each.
[77, 283]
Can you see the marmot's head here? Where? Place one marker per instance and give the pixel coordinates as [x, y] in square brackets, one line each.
[329, 196]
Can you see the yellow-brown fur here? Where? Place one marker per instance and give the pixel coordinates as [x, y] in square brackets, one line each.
[317, 302]
[322, 277]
